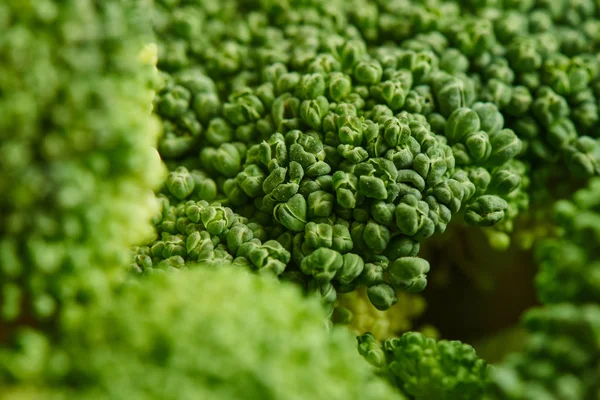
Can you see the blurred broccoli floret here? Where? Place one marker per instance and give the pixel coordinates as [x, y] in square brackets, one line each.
[77, 158]
[570, 264]
[560, 358]
[218, 333]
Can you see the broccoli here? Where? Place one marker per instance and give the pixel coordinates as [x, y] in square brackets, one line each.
[180, 335]
[341, 153]
[561, 354]
[79, 180]
[568, 264]
[428, 369]
[160, 157]
[76, 171]
[560, 358]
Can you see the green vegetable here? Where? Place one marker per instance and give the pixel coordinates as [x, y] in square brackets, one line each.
[143, 336]
[356, 148]
[425, 369]
[76, 171]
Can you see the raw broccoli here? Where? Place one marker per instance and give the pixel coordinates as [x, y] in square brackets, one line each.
[339, 150]
[569, 267]
[561, 355]
[560, 358]
[342, 146]
[218, 333]
[428, 369]
[77, 157]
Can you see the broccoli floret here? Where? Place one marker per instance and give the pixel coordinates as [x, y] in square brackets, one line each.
[560, 359]
[77, 158]
[345, 151]
[569, 265]
[218, 333]
[424, 368]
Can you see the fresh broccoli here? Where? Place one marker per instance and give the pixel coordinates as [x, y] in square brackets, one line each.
[569, 265]
[371, 153]
[428, 369]
[77, 158]
[561, 355]
[348, 153]
[352, 132]
[180, 335]
[560, 359]
[79, 180]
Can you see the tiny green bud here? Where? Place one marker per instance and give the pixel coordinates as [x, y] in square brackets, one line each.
[368, 72]
[323, 264]
[341, 240]
[351, 269]
[486, 210]
[292, 214]
[460, 123]
[311, 86]
[382, 296]
[409, 273]
[340, 86]
[218, 132]
[505, 146]
[320, 204]
[318, 235]
[180, 183]
[377, 237]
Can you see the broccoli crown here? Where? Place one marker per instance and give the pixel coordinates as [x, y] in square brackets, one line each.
[346, 151]
[318, 141]
[76, 172]
[182, 336]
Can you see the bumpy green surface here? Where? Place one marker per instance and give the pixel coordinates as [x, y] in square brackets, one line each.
[560, 360]
[562, 354]
[318, 141]
[77, 167]
[427, 369]
[211, 333]
[218, 334]
[77, 164]
[570, 264]
[346, 150]
[351, 131]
